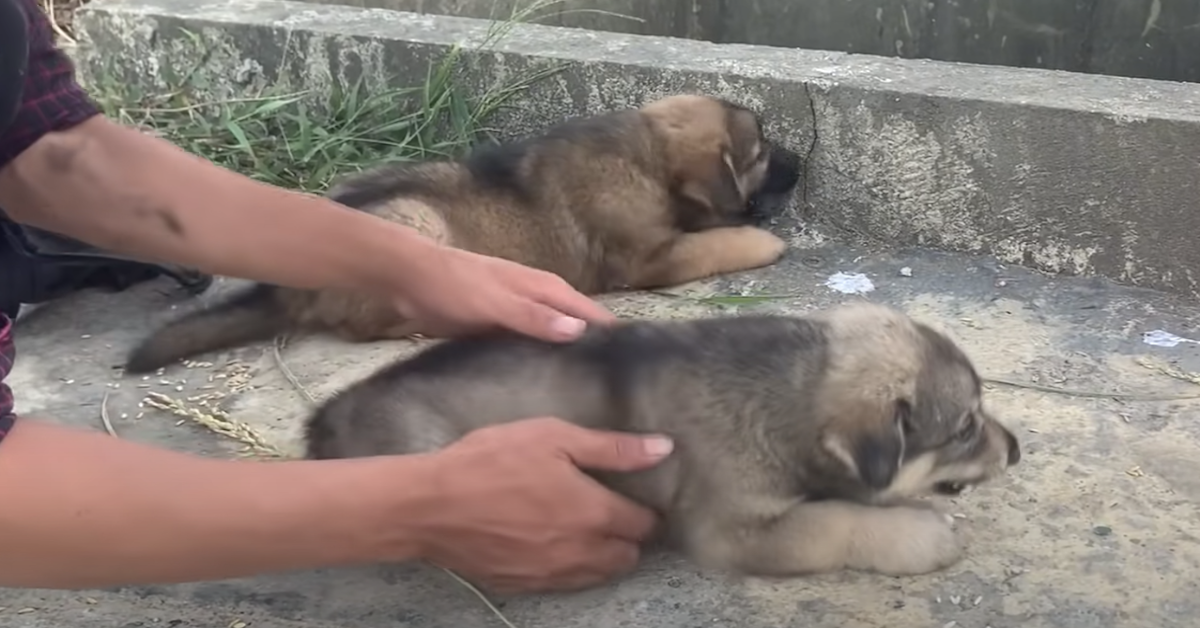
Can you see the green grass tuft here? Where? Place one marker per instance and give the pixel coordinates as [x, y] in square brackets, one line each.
[288, 139]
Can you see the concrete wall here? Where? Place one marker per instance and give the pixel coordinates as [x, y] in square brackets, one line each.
[1156, 39]
[1063, 172]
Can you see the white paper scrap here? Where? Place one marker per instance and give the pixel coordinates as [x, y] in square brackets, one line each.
[1160, 338]
[850, 283]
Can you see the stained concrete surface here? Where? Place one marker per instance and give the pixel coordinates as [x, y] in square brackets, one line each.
[1139, 38]
[1097, 526]
[1068, 173]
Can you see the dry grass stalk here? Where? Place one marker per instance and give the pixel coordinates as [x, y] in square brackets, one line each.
[60, 14]
[216, 420]
[1169, 370]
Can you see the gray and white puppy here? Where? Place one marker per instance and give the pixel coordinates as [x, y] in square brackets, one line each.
[801, 443]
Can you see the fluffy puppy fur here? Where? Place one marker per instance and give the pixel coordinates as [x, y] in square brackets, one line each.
[802, 443]
[635, 199]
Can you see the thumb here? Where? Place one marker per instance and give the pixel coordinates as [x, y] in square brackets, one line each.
[544, 322]
[613, 451]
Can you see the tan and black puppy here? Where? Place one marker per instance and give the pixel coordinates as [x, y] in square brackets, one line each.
[635, 199]
[802, 443]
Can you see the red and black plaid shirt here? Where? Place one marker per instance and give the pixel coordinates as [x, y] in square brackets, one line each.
[51, 101]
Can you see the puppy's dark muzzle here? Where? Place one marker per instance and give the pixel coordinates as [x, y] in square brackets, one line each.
[783, 173]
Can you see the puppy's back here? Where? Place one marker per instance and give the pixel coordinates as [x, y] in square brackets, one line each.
[426, 402]
[638, 376]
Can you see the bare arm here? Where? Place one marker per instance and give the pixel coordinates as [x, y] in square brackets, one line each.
[128, 192]
[81, 509]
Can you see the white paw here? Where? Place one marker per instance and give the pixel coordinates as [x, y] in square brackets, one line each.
[904, 541]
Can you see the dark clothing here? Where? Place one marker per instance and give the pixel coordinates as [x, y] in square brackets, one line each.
[8, 353]
[51, 100]
[39, 98]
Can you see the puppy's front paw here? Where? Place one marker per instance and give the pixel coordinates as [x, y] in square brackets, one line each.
[761, 246]
[903, 541]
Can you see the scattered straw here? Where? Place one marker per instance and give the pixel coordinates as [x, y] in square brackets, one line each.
[482, 597]
[723, 300]
[1073, 392]
[61, 14]
[1169, 370]
[108, 426]
[217, 421]
[277, 353]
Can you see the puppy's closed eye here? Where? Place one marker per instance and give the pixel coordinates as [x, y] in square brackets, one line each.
[871, 440]
[966, 433]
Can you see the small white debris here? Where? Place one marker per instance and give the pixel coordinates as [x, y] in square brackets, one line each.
[977, 601]
[86, 336]
[954, 599]
[906, 272]
[950, 624]
[850, 283]
[1160, 338]
[124, 415]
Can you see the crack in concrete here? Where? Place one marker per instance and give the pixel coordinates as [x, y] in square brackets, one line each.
[812, 146]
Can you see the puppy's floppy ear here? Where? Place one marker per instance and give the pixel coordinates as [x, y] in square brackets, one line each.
[870, 440]
[716, 186]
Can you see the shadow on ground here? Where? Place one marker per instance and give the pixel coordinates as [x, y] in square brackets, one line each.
[1096, 527]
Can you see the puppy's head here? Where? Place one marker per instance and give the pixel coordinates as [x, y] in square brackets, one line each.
[904, 409]
[724, 169]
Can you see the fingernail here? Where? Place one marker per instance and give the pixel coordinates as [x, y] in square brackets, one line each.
[568, 326]
[658, 446]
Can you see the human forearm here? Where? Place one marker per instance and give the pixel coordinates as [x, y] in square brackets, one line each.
[81, 509]
[127, 192]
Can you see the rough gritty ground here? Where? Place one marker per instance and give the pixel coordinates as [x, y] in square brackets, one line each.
[1096, 527]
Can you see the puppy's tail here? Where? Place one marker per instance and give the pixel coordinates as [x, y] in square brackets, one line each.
[253, 315]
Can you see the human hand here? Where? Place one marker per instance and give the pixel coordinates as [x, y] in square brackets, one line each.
[519, 516]
[456, 291]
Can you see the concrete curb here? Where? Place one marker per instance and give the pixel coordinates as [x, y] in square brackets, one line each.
[1067, 173]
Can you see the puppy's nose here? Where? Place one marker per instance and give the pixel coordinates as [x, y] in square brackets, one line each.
[1014, 448]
